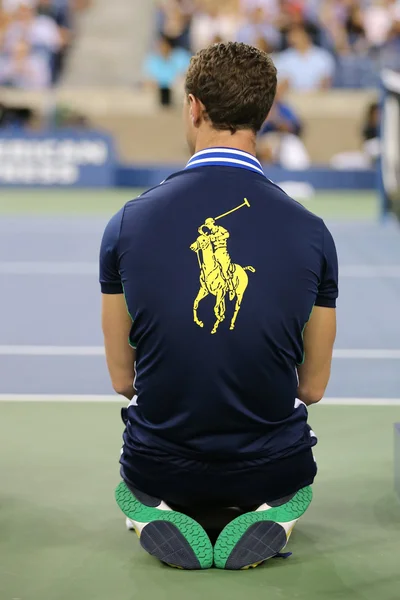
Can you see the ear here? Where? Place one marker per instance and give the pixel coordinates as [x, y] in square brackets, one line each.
[196, 109]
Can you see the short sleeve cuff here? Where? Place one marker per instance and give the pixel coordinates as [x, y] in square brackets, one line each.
[326, 302]
[111, 288]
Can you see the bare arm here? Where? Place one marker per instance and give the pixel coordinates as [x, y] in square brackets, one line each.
[319, 337]
[120, 356]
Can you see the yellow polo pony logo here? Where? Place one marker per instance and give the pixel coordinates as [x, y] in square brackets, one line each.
[218, 275]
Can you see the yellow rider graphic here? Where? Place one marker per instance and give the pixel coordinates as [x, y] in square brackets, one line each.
[219, 237]
[218, 275]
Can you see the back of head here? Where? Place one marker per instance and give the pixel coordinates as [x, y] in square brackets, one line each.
[235, 85]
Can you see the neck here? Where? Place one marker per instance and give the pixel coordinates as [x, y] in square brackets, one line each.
[244, 140]
[304, 49]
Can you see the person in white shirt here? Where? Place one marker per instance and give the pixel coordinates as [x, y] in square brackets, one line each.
[378, 20]
[40, 31]
[211, 24]
[24, 69]
[304, 66]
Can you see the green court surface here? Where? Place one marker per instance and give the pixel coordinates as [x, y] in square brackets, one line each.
[62, 536]
[343, 205]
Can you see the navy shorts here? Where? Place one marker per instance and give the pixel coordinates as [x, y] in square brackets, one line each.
[190, 483]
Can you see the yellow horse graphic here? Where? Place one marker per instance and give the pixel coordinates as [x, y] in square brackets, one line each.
[213, 282]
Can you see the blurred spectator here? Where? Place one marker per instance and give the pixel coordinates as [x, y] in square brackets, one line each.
[258, 28]
[10, 6]
[367, 156]
[305, 66]
[293, 13]
[354, 65]
[164, 67]
[59, 12]
[354, 71]
[389, 54]
[371, 132]
[280, 138]
[214, 21]
[282, 118]
[40, 31]
[346, 42]
[23, 68]
[378, 18]
[174, 17]
[4, 24]
[332, 15]
[372, 122]
[355, 30]
[270, 7]
[45, 25]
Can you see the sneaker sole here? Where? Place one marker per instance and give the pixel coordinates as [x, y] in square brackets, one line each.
[172, 537]
[257, 536]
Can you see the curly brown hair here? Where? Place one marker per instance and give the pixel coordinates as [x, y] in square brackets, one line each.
[235, 82]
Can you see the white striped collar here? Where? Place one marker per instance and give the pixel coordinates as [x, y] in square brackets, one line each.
[225, 157]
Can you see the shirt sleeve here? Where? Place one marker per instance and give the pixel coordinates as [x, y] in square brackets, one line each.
[110, 278]
[328, 290]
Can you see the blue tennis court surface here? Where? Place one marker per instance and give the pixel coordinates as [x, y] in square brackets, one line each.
[50, 338]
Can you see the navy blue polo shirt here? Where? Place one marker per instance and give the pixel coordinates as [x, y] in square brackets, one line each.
[220, 271]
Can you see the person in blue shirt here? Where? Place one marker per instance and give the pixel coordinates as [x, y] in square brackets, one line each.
[258, 28]
[226, 289]
[164, 67]
[305, 66]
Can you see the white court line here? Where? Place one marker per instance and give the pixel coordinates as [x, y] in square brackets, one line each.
[82, 398]
[52, 351]
[361, 402]
[348, 354]
[48, 268]
[99, 398]
[91, 268]
[364, 354]
[370, 271]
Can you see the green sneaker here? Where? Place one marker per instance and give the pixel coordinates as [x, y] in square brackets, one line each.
[257, 536]
[170, 536]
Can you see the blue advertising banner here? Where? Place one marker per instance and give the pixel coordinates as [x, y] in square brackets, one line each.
[66, 158]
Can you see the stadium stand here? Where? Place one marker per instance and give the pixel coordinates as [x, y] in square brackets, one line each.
[350, 42]
[115, 54]
[35, 38]
[361, 37]
[112, 38]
